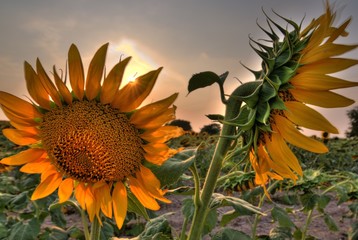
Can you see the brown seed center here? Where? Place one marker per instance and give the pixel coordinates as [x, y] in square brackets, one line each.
[90, 142]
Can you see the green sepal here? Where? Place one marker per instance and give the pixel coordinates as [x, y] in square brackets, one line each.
[263, 112]
[249, 93]
[267, 92]
[278, 103]
[246, 118]
[257, 74]
[284, 74]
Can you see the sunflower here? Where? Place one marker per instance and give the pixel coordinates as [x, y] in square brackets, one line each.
[295, 72]
[95, 140]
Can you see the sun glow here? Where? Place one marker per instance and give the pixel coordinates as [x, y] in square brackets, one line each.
[139, 64]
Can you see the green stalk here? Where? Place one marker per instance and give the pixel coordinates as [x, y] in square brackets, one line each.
[222, 147]
[95, 229]
[308, 222]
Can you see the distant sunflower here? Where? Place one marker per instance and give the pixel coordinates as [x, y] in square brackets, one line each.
[295, 72]
[94, 140]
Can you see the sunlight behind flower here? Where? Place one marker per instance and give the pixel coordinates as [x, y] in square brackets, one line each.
[139, 64]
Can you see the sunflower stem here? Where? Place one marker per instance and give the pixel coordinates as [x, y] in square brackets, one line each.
[95, 229]
[84, 223]
[202, 208]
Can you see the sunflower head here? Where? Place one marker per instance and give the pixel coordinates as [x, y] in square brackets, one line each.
[93, 140]
[295, 72]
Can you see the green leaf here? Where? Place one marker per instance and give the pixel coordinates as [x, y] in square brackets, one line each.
[331, 224]
[220, 200]
[188, 208]
[215, 117]
[322, 202]
[280, 233]
[280, 215]
[3, 231]
[157, 228]
[25, 230]
[57, 217]
[203, 79]
[230, 234]
[54, 233]
[107, 231]
[210, 221]
[309, 201]
[171, 170]
[353, 233]
[134, 205]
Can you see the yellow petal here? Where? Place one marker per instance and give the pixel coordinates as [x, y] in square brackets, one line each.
[324, 51]
[133, 94]
[80, 194]
[281, 153]
[327, 66]
[320, 82]
[162, 134]
[289, 132]
[152, 111]
[307, 117]
[18, 107]
[23, 157]
[90, 203]
[95, 72]
[160, 120]
[20, 137]
[35, 87]
[47, 186]
[340, 31]
[65, 190]
[105, 199]
[51, 169]
[28, 129]
[11, 115]
[37, 166]
[112, 82]
[142, 195]
[155, 159]
[324, 99]
[75, 69]
[151, 183]
[120, 202]
[47, 83]
[62, 88]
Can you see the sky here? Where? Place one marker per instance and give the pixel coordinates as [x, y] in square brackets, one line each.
[185, 37]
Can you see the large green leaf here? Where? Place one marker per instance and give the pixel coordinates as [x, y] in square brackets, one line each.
[25, 230]
[203, 79]
[171, 170]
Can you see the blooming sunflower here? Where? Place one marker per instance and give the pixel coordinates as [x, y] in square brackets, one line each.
[93, 141]
[295, 73]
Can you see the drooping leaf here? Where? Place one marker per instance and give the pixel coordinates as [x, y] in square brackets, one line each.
[107, 231]
[134, 205]
[249, 93]
[280, 215]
